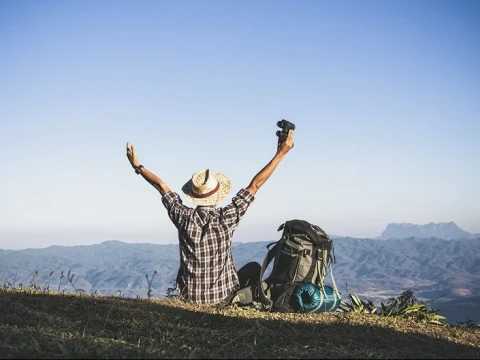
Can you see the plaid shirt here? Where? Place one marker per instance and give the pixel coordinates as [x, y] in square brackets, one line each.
[207, 272]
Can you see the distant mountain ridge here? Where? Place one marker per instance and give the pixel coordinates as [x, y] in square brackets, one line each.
[443, 230]
[447, 270]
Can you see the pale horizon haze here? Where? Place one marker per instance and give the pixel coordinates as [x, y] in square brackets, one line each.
[385, 96]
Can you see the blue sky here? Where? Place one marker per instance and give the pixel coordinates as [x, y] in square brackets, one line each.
[385, 96]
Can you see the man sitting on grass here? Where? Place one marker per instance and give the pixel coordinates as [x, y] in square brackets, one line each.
[207, 272]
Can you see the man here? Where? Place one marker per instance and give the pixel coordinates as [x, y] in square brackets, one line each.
[207, 273]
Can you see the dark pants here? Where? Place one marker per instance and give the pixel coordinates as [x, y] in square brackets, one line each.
[249, 274]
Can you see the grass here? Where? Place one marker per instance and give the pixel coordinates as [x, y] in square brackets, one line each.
[39, 325]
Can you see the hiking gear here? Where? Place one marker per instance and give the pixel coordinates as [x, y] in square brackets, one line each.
[302, 255]
[309, 298]
[207, 188]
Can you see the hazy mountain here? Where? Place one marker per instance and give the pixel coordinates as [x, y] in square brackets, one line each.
[447, 231]
[443, 271]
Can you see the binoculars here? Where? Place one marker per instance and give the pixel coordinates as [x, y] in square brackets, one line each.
[285, 126]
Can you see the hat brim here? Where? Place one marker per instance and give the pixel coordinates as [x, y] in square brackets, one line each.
[221, 194]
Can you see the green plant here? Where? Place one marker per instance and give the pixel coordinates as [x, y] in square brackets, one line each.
[408, 306]
[358, 306]
[405, 306]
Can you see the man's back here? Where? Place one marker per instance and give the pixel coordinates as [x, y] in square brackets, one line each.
[207, 272]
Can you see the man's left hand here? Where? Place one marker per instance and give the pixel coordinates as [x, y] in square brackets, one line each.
[132, 155]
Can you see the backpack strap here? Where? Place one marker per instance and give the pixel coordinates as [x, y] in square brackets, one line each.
[333, 283]
[321, 269]
[266, 261]
[320, 284]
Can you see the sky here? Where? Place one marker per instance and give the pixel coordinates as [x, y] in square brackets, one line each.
[385, 96]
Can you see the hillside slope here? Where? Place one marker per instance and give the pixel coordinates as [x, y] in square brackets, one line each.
[73, 326]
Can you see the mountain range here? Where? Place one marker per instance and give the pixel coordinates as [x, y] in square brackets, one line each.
[443, 230]
[446, 273]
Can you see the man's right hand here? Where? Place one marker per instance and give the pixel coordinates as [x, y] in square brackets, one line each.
[265, 173]
[285, 146]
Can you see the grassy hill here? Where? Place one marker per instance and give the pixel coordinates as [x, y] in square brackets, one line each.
[445, 272]
[36, 325]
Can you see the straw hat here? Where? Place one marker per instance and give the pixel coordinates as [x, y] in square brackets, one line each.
[207, 188]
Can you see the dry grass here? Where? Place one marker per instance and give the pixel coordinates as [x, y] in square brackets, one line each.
[35, 325]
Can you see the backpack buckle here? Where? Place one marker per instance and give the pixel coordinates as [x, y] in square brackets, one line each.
[307, 252]
[257, 292]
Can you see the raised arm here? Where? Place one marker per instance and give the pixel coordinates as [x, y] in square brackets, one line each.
[177, 212]
[154, 180]
[259, 179]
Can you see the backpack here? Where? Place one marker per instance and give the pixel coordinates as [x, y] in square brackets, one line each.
[296, 283]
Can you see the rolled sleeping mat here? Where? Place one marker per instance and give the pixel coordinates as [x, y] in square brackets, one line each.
[330, 299]
[310, 298]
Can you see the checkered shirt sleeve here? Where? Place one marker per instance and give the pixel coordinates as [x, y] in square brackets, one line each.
[177, 212]
[233, 213]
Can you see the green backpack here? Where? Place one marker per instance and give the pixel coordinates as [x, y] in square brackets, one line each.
[301, 259]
